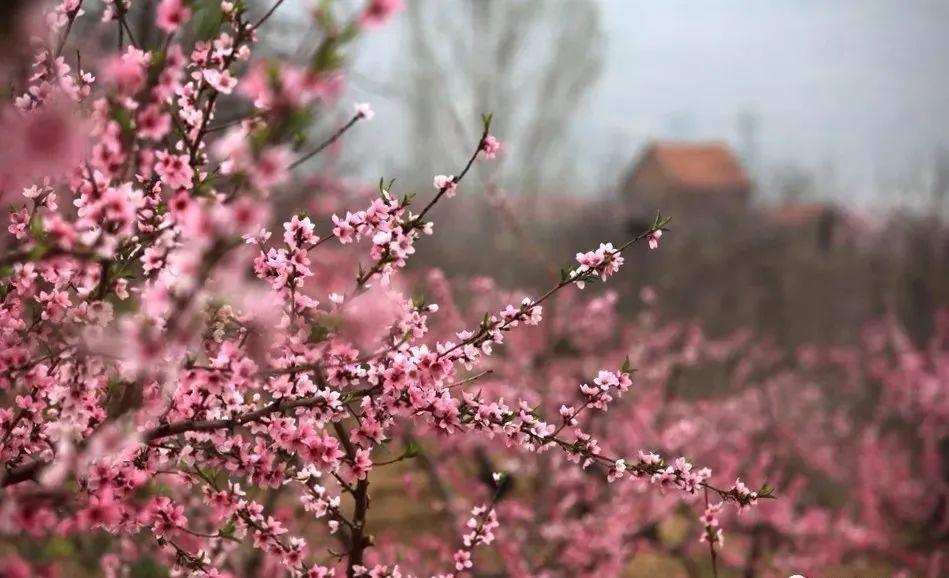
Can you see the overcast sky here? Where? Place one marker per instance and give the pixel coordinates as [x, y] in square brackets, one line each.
[859, 86]
[862, 85]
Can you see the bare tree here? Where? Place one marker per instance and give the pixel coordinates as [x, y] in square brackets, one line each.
[531, 61]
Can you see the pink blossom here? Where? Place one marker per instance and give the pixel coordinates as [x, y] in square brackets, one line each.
[603, 262]
[199, 401]
[171, 14]
[616, 471]
[102, 511]
[19, 223]
[462, 560]
[271, 168]
[653, 238]
[298, 233]
[174, 170]
[51, 142]
[153, 123]
[222, 81]
[445, 183]
[490, 147]
[378, 12]
[127, 71]
[364, 111]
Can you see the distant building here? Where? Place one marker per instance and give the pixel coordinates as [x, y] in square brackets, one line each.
[822, 225]
[696, 183]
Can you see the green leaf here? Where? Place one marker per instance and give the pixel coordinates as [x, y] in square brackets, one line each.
[147, 568]
[660, 221]
[412, 449]
[228, 529]
[58, 548]
[350, 32]
[206, 19]
[328, 57]
[324, 15]
[318, 333]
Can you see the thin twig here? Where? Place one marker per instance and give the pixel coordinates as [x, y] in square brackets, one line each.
[322, 146]
[268, 14]
[711, 543]
[72, 18]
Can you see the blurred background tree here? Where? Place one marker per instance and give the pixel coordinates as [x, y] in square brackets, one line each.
[535, 60]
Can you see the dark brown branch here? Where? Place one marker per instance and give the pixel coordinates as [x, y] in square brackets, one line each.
[322, 146]
[269, 13]
[418, 221]
[69, 24]
[359, 540]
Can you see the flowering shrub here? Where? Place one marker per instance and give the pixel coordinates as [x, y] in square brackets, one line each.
[214, 397]
[854, 436]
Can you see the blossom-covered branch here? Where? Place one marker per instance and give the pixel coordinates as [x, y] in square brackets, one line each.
[223, 401]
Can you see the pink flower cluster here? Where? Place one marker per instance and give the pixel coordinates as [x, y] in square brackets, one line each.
[604, 262]
[172, 375]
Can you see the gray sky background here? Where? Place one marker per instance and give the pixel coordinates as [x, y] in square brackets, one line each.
[860, 85]
[854, 90]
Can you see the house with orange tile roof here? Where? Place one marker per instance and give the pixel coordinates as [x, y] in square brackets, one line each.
[692, 182]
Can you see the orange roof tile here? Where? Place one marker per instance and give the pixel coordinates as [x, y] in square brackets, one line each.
[699, 166]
